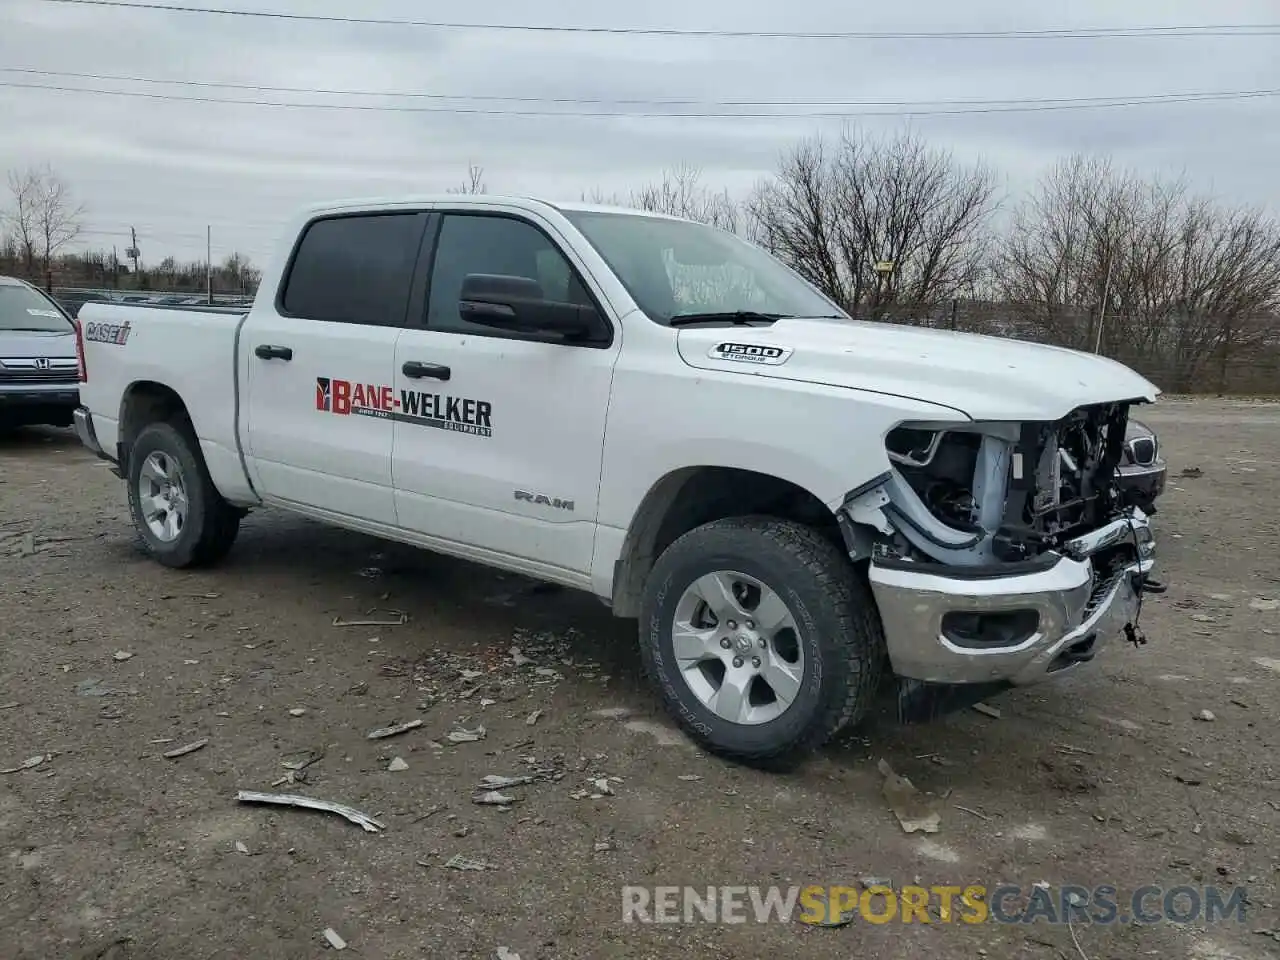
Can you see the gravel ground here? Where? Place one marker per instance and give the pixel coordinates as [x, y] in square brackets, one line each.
[113, 851]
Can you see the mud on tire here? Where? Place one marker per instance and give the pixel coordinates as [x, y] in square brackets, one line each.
[837, 636]
[210, 524]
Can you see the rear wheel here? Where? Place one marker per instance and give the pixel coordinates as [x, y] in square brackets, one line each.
[178, 513]
[762, 638]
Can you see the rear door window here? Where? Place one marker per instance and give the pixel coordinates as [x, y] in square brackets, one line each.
[354, 269]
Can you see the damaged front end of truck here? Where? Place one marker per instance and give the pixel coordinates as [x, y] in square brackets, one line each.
[1000, 553]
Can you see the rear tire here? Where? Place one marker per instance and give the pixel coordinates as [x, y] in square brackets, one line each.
[770, 696]
[180, 517]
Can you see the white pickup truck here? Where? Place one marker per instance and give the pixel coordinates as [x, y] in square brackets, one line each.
[795, 506]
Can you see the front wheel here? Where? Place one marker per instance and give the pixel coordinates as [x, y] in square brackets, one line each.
[179, 514]
[761, 637]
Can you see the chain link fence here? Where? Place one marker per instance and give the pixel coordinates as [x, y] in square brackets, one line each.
[73, 298]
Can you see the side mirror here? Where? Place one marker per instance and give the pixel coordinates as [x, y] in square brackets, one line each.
[518, 304]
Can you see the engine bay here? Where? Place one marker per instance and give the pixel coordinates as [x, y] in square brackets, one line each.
[993, 493]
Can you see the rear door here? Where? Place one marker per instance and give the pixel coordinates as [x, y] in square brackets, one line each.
[321, 366]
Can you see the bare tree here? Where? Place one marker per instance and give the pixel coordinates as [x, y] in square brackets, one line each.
[21, 215]
[1062, 245]
[238, 273]
[1141, 269]
[678, 192]
[877, 223]
[474, 183]
[681, 193]
[42, 217]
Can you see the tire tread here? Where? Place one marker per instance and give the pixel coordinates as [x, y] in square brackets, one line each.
[221, 520]
[859, 636]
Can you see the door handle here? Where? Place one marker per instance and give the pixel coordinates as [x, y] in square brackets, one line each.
[270, 352]
[419, 371]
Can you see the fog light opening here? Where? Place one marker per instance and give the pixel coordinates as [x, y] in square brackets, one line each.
[988, 631]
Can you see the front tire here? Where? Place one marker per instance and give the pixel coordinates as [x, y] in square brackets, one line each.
[761, 637]
[180, 517]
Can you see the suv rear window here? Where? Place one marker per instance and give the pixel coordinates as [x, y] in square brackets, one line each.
[22, 308]
[354, 269]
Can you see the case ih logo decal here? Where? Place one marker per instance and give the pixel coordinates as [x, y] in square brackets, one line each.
[412, 406]
[750, 353]
[117, 333]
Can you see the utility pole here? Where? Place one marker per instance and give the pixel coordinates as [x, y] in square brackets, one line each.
[884, 273]
[133, 253]
[1102, 311]
[208, 260]
[1123, 242]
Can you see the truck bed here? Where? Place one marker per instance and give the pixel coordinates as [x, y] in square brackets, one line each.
[188, 349]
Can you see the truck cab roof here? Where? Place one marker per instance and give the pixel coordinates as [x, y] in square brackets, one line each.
[480, 200]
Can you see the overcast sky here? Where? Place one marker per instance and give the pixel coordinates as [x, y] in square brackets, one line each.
[169, 168]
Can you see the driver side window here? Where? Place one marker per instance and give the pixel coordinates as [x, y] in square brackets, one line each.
[494, 245]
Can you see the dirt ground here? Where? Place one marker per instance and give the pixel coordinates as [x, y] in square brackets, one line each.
[110, 850]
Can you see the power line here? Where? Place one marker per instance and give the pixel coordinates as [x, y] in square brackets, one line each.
[1007, 107]
[650, 101]
[1181, 30]
[145, 234]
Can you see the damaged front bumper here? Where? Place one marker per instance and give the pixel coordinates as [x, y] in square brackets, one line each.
[1014, 623]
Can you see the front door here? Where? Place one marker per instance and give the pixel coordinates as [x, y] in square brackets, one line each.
[499, 446]
[321, 367]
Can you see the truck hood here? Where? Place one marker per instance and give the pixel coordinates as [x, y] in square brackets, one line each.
[36, 343]
[986, 378]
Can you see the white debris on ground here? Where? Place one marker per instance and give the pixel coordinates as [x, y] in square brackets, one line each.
[29, 764]
[363, 820]
[187, 748]
[907, 803]
[335, 941]
[494, 782]
[493, 798]
[459, 862]
[394, 730]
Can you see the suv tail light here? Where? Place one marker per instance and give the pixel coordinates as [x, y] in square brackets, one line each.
[83, 369]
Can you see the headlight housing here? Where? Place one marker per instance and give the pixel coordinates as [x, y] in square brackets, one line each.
[1140, 444]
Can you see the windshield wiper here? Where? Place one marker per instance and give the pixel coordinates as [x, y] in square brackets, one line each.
[743, 318]
[32, 330]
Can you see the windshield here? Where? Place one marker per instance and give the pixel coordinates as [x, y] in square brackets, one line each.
[22, 308]
[676, 267]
